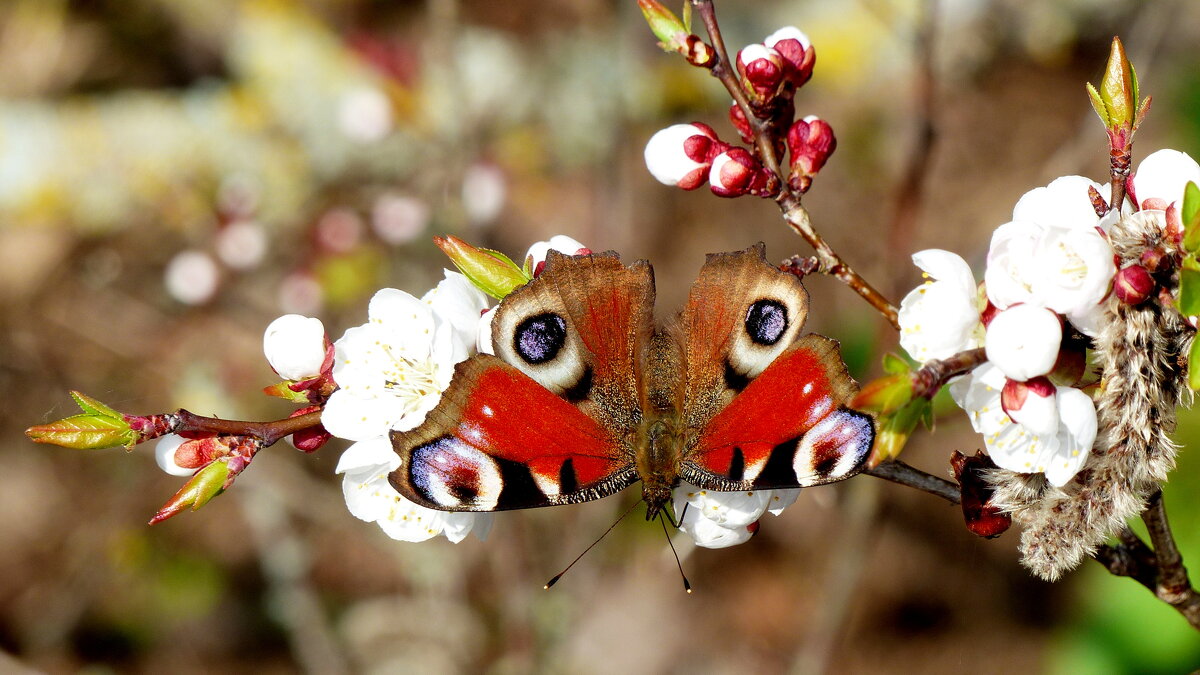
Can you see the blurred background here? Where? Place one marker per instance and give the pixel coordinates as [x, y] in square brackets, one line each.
[175, 174]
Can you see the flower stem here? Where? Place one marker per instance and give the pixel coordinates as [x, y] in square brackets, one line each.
[934, 374]
[899, 472]
[266, 432]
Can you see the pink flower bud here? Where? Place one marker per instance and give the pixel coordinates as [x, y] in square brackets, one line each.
[1032, 404]
[1134, 285]
[734, 173]
[810, 142]
[762, 70]
[681, 154]
[795, 47]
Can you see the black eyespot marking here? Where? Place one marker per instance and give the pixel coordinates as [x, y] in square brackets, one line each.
[539, 338]
[766, 321]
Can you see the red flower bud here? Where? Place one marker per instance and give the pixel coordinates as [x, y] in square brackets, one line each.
[1134, 285]
[762, 70]
[795, 47]
[810, 142]
[736, 172]
[312, 438]
[738, 118]
[681, 154]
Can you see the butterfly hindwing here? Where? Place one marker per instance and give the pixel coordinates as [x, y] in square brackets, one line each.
[788, 428]
[498, 440]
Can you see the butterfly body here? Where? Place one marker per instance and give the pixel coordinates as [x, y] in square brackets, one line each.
[586, 396]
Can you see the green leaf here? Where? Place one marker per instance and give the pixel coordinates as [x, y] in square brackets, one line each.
[1097, 103]
[198, 491]
[1189, 291]
[1194, 366]
[1189, 214]
[94, 407]
[84, 432]
[687, 15]
[896, 428]
[894, 364]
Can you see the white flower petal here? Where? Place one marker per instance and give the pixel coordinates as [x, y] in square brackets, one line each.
[295, 346]
[406, 319]
[788, 33]
[484, 341]
[1163, 174]
[164, 454]
[666, 157]
[1075, 271]
[1064, 203]
[781, 499]
[1076, 434]
[708, 533]
[368, 455]
[941, 317]
[456, 301]
[729, 509]
[1010, 263]
[356, 418]
[1024, 341]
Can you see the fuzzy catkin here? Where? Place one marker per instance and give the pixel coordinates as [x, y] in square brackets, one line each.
[1142, 353]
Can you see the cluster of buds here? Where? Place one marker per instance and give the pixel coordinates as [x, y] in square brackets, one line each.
[768, 74]
[689, 155]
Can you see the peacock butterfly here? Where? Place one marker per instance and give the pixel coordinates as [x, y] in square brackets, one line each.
[585, 395]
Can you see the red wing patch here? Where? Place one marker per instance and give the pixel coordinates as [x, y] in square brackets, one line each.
[787, 428]
[499, 440]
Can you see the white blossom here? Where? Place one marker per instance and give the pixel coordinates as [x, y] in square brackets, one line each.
[940, 317]
[674, 158]
[1024, 341]
[1161, 177]
[295, 346]
[720, 519]
[1059, 455]
[393, 369]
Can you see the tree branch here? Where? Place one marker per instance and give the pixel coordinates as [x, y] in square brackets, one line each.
[899, 472]
[794, 214]
[184, 421]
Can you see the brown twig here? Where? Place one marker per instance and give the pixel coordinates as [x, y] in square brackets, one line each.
[934, 374]
[265, 432]
[1172, 585]
[794, 214]
[899, 472]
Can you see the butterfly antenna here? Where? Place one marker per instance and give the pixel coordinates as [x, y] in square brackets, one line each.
[593, 545]
[687, 585]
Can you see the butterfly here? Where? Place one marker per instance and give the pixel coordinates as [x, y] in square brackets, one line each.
[585, 395]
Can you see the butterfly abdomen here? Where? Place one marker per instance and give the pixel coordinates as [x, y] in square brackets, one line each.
[658, 457]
